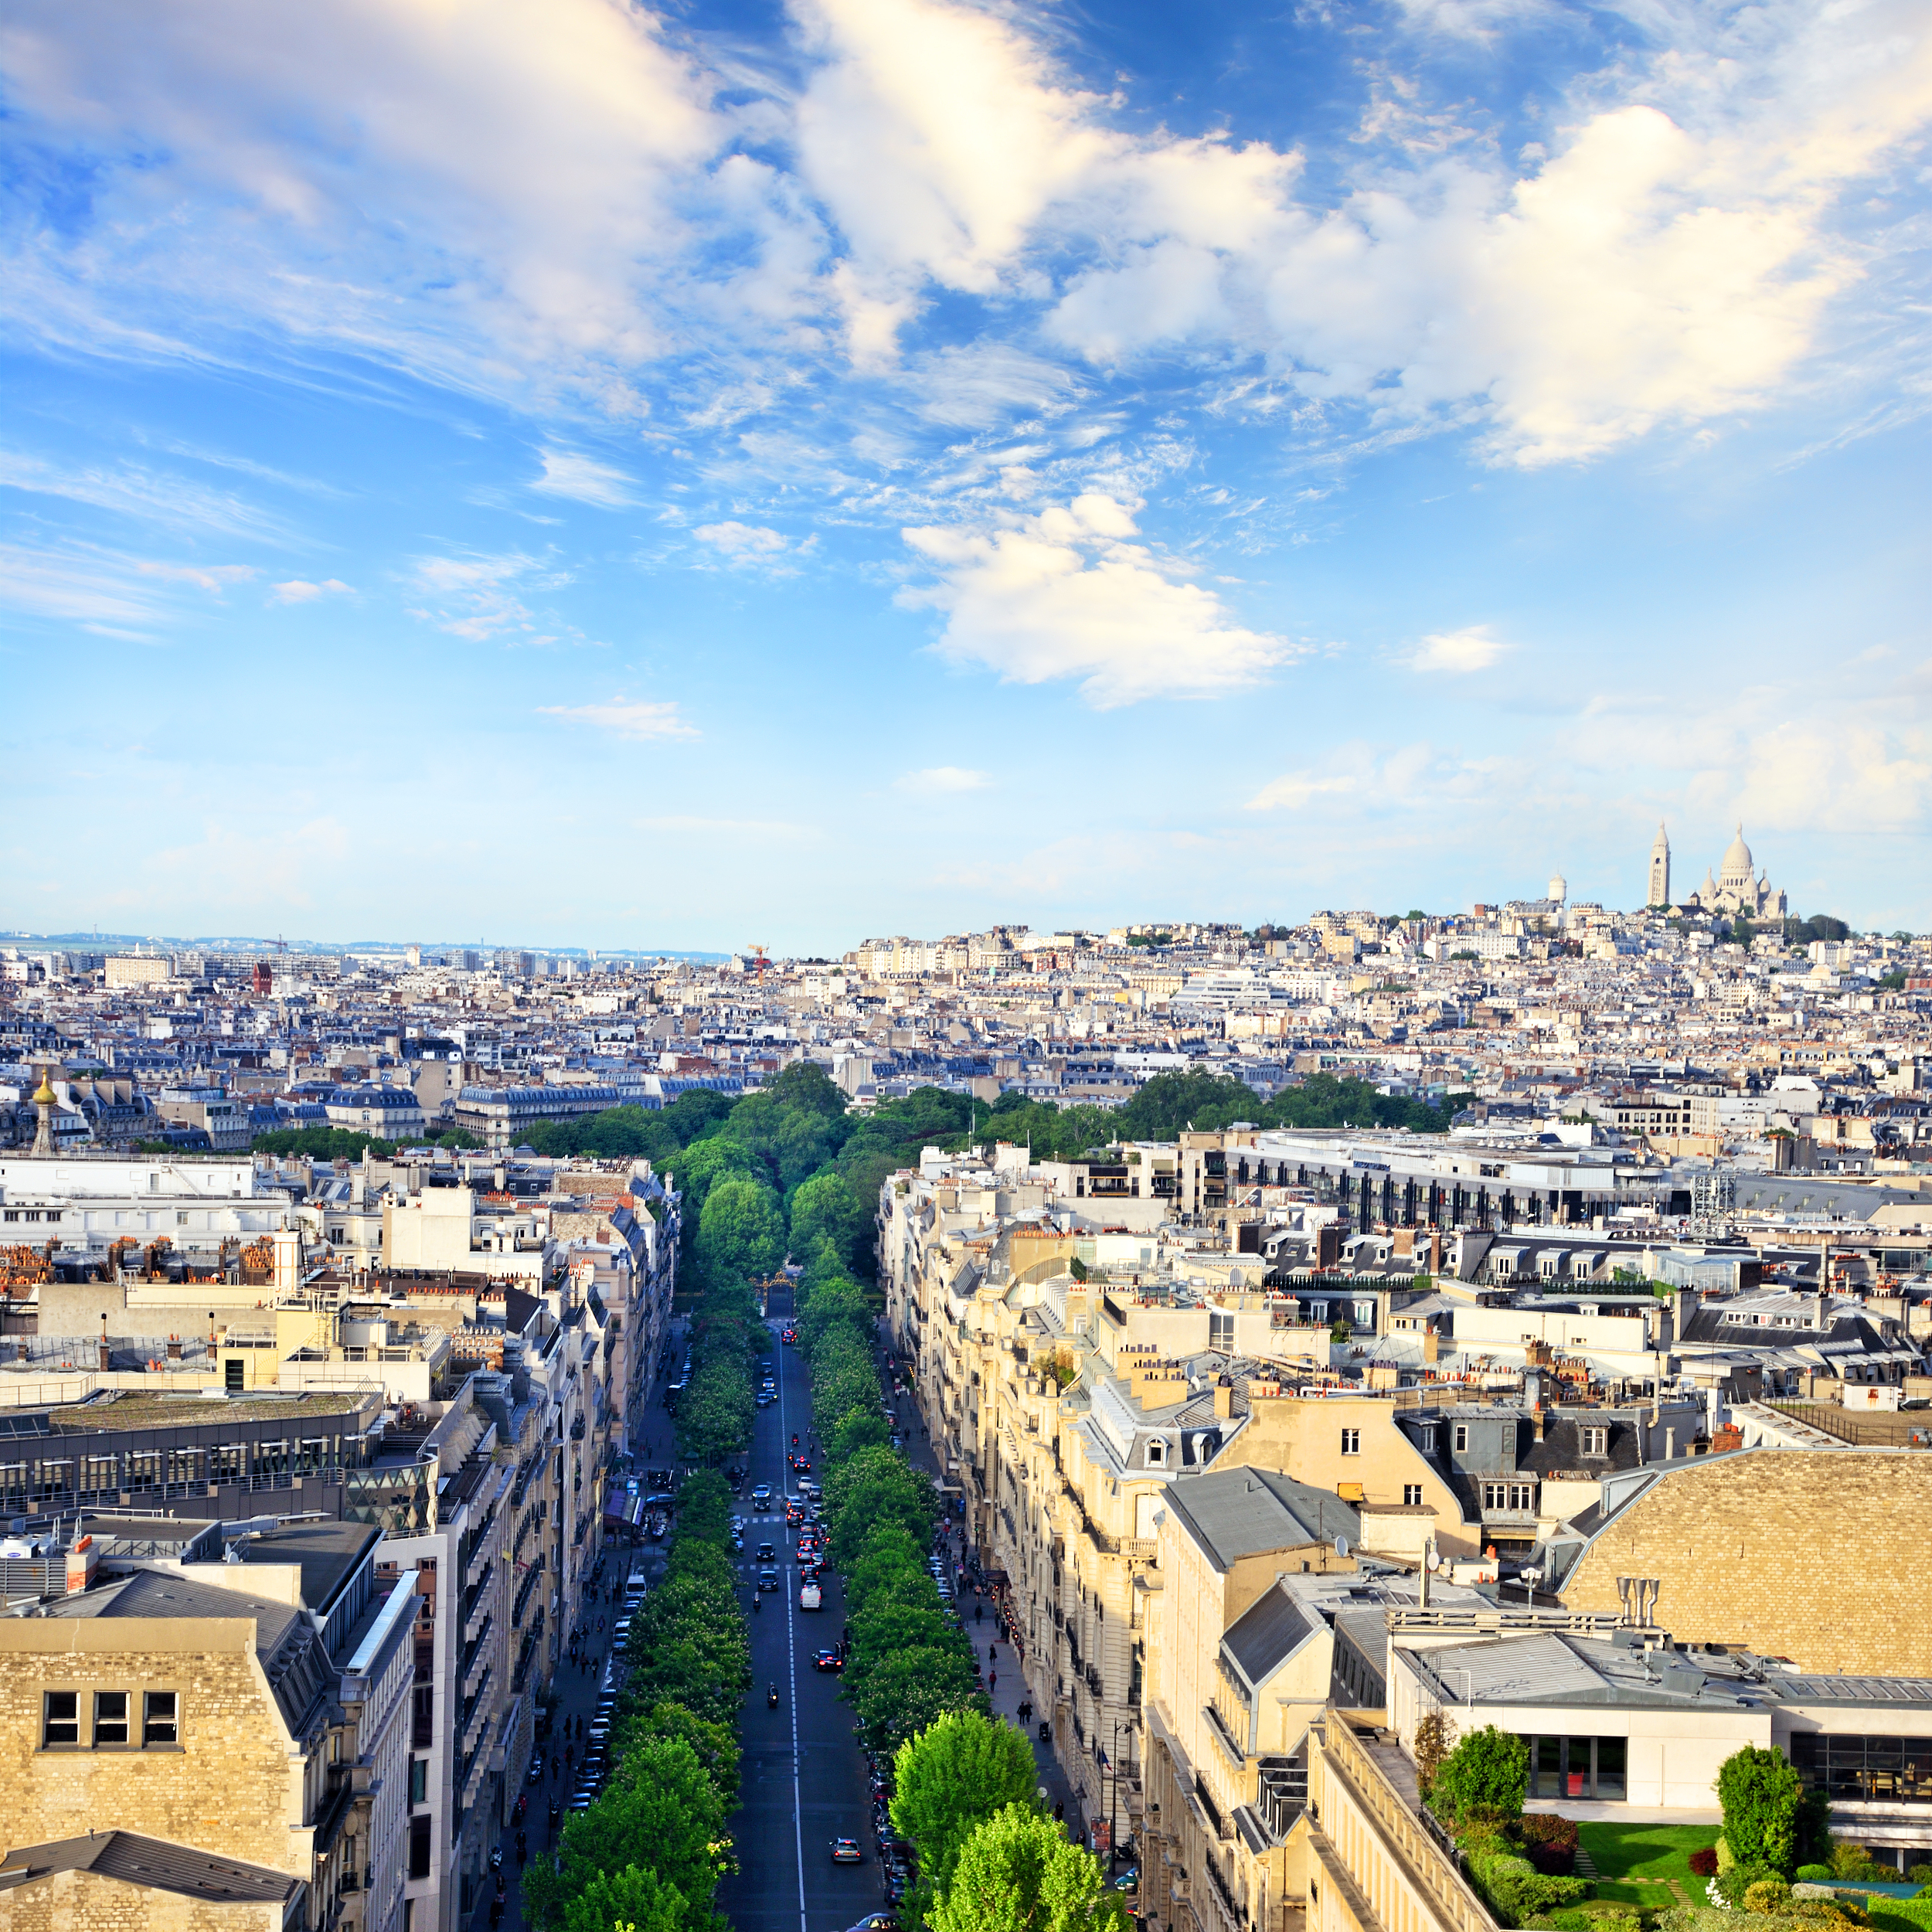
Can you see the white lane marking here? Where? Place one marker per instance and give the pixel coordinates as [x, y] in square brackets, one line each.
[792, 1651]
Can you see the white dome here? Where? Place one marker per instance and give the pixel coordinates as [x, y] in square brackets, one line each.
[1738, 859]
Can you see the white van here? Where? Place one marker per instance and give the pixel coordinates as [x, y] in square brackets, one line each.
[810, 1597]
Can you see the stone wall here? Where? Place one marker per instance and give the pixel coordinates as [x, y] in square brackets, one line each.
[230, 1786]
[86, 1902]
[1819, 1555]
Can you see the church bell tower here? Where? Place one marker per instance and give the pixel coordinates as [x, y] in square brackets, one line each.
[1659, 870]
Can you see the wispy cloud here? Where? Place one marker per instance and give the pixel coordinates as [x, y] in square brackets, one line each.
[742, 542]
[477, 596]
[298, 590]
[141, 495]
[945, 779]
[1457, 652]
[625, 718]
[213, 578]
[569, 473]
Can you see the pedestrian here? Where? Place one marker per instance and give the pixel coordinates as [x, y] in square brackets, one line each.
[1059, 1811]
[992, 1653]
[992, 1681]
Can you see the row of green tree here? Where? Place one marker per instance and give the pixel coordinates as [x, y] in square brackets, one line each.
[782, 1168]
[965, 1792]
[649, 1852]
[910, 1661]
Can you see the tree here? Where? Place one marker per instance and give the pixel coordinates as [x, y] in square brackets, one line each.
[805, 1084]
[1483, 1779]
[662, 1815]
[904, 1692]
[824, 1208]
[1434, 1737]
[949, 1779]
[704, 1163]
[1018, 1873]
[715, 1746]
[741, 1232]
[632, 1900]
[1764, 1799]
[874, 1492]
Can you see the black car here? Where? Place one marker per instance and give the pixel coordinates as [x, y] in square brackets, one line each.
[767, 1554]
[827, 1660]
[768, 1579]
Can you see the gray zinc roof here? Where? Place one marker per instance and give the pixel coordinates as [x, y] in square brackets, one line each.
[1266, 1635]
[1234, 1513]
[137, 1860]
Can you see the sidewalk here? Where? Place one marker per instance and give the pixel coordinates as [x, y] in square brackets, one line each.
[575, 1690]
[997, 1658]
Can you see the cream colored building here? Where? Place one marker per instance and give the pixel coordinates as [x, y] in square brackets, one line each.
[199, 1710]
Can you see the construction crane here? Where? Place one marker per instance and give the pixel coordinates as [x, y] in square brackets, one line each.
[759, 952]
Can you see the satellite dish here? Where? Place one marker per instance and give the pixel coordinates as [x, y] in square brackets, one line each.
[1342, 1546]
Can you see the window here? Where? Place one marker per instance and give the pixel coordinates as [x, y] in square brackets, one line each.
[60, 1718]
[1595, 1442]
[1156, 1453]
[420, 1846]
[419, 1780]
[110, 1717]
[1427, 1439]
[158, 1716]
[1411, 1494]
[1351, 1442]
[1462, 1439]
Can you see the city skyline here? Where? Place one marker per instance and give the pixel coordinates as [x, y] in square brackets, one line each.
[900, 466]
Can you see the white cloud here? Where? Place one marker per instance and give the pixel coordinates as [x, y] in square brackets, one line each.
[1294, 790]
[213, 578]
[493, 196]
[141, 495]
[1062, 595]
[565, 206]
[474, 597]
[1457, 652]
[944, 778]
[298, 590]
[81, 587]
[625, 718]
[569, 473]
[740, 541]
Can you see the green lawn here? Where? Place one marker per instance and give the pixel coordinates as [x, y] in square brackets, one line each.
[1649, 1853]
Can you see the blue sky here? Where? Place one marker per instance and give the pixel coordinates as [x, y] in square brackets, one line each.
[588, 476]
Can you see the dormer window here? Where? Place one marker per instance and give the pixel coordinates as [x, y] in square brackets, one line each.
[1157, 1453]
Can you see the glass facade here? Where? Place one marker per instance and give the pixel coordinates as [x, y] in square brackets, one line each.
[1880, 1770]
[1582, 1767]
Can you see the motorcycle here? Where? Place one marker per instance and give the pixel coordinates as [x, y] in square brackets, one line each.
[496, 1858]
[771, 1698]
[757, 1601]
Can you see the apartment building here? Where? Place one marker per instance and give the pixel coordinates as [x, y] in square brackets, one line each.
[223, 1730]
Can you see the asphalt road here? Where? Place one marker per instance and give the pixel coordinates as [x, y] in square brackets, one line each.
[804, 1774]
